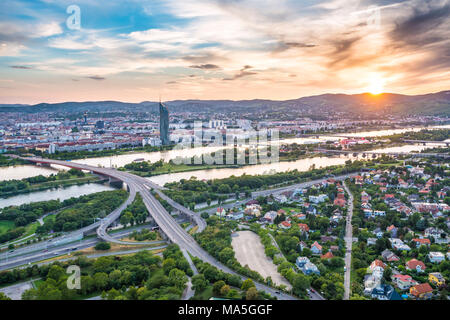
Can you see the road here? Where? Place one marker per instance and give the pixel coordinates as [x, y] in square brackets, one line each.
[348, 243]
[167, 224]
[265, 193]
[8, 262]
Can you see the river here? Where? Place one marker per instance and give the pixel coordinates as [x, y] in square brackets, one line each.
[25, 171]
[55, 193]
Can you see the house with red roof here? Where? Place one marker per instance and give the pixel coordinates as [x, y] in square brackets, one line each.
[285, 225]
[421, 291]
[415, 264]
[316, 248]
[422, 242]
[339, 202]
[377, 264]
[403, 281]
[327, 255]
[303, 227]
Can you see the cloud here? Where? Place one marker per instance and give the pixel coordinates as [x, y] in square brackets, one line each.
[423, 26]
[96, 78]
[207, 66]
[242, 73]
[21, 67]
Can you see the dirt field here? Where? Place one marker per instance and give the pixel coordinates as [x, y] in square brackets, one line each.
[250, 251]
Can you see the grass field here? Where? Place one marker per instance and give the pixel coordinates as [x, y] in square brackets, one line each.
[6, 225]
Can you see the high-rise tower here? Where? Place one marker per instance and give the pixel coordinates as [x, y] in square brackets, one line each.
[164, 124]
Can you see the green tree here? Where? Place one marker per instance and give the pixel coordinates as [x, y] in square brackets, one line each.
[246, 284]
[251, 294]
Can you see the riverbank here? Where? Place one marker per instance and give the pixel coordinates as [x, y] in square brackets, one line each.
[89, 178]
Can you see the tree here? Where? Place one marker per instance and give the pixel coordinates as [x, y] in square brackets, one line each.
[100, 280]
[217, 286]
[226, 254]
[300, 284]
[55, 272]
[103, 246]
[168, 264]
[177, 278]
[252, 294]
[199, 282]
[248, 283]
[225, 290]
[4, 296]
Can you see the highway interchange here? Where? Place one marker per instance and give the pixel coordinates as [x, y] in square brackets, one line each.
[167, 224]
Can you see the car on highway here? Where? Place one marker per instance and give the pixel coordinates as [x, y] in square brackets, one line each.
[345, 268]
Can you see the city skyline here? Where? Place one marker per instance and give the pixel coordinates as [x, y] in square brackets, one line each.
[135, 50]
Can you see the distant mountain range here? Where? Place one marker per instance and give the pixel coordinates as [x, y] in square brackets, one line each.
[388, 103]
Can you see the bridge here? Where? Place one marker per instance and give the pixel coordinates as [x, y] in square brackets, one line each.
[171, 230]
[374, 153]
[425, 142]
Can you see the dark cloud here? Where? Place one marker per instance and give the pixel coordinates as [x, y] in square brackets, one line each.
[207, 66]
[343, 50]
[21, 67]
[423, 26]
[96, 78]
[171, 82]
[242, 73]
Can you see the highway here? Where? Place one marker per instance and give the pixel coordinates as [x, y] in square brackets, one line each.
[8, 262]
[167, 224]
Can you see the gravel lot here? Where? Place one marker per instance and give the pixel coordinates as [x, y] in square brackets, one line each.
[250, 251]
[15, 291]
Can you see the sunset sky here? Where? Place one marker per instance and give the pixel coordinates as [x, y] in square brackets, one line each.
[136, 50]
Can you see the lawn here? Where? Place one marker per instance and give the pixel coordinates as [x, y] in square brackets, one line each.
[6, 225]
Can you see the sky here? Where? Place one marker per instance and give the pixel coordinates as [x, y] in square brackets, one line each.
[139, 50]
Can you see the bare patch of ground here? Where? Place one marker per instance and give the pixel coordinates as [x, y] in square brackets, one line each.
[250, 251]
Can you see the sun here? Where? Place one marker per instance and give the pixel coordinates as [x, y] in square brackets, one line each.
[376, 86]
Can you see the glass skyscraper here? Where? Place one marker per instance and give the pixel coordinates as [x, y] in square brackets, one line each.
[164, 124]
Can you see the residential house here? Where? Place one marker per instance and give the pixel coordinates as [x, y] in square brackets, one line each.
[270, 216]
[389, 256]
[327, 255]
[235, 215]
[436, 257]
[421, 242]
[304, 264]
[385, 292]
[393, 230]
[415, 264]
[403, 281]
[421, 291]
[339, 202]
[318, 199]
[316, 248]
[436, 278]
[371, 241]
[310, 268]
[284, 225]
[377, 265]
[378, 233]
[398, 244]
[302, 245]
[365, 197]
[303, 227]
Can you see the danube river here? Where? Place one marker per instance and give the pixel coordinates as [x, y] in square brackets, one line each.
[55, 193]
